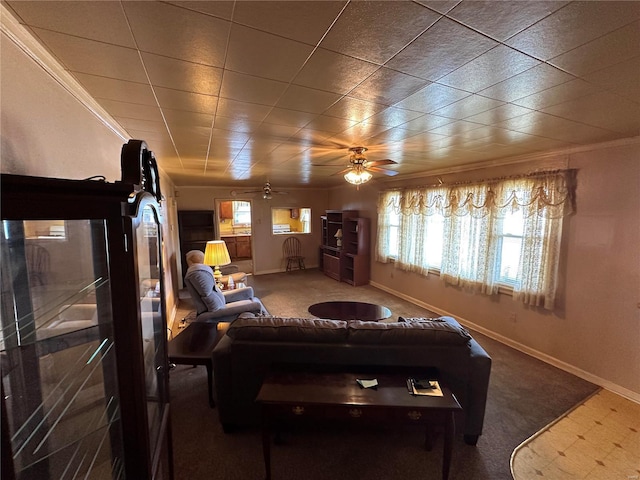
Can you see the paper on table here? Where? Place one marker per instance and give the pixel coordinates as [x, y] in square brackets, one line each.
[433, 389]
[367, 383]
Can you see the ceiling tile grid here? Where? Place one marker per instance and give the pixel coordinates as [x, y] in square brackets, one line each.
[245, 91]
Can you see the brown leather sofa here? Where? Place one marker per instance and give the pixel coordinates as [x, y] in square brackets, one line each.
[253, 345]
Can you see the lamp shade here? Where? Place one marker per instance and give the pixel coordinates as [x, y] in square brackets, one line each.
[357, 176]
[338, 233]
[216, 253]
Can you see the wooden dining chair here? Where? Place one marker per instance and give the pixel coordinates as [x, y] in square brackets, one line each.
[292, 253]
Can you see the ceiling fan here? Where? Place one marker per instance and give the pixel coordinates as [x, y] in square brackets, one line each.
[267, 191]
[359, 169]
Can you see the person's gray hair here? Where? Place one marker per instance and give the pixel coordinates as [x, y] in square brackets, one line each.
[194, 256]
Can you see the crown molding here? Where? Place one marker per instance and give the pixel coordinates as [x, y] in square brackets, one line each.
[25, 41]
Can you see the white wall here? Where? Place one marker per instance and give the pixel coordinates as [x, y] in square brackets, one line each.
[595, 330]
[46, 131]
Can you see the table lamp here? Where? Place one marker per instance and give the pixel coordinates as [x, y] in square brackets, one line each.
[338, 236]
[216, 254]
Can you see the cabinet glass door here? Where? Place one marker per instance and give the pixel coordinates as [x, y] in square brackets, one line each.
[154, 333]
[57, 355]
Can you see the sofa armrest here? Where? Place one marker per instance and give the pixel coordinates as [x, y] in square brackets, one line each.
[478, 389]
[245, 293]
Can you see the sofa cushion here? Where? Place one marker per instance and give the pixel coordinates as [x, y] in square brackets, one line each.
[277, 329]
[442, 331]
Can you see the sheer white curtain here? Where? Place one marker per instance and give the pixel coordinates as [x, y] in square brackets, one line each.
[472, 234]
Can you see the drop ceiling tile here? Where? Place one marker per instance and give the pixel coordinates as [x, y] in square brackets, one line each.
[621, 79]
[456, 128]
[307, 99]
[531, 81]
[131, 110]
[304, 21]
[432, 97]
[360, 134]
[393, 117]
[573, 25]
[188, 101]
[333, 72]
[222, 9]
[181, 75]
[440, 50]
[309, 137]
[387, 87]
[293, 118]
[427, 122]
[543, 125]
[175, 32]
[247, 88]
[235, 124]
[96, 58]
[182, 119]
[613, 48]
[354, 109]
[112, 89]
[264, 55]
[326, 123]
[501, 20]
[488, 69]
[242, 110]
[558, 94]
[275, 132]
[376, 31]
[603, 110]
[101, 21]
[141, 124]
[467, 107]
[499, 114]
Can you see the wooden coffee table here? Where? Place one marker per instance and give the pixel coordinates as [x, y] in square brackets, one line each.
[341, 310]
[288, 396]
[194, 346]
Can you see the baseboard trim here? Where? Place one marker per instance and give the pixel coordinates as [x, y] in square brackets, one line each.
[602, 382]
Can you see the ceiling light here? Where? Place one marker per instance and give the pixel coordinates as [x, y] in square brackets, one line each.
[357, 176]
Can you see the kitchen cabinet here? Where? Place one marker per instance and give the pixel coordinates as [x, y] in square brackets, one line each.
[226, 210]
[239, 246]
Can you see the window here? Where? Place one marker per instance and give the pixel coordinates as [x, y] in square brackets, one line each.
[241, 213]
[495, 233]
[285, 221]
[510, 247]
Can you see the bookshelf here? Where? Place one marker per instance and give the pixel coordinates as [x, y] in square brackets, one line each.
[348, 260]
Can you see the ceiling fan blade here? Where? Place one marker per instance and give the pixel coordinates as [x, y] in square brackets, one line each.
[253, 191]
[342, 172]
[377, 163]
[390, 173]
[279, 193]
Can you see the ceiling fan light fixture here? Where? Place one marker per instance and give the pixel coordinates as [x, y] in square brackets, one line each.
[357, 176]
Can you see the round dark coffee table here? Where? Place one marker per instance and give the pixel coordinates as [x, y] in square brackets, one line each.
[367, 312]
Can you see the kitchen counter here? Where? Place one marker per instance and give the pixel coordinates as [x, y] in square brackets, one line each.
[225, 235]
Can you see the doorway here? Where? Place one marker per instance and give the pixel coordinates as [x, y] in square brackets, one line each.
[233, 218]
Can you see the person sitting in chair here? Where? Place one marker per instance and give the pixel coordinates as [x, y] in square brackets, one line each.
[212, 304]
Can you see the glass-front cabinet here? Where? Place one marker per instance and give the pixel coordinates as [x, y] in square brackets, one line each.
[83, 329]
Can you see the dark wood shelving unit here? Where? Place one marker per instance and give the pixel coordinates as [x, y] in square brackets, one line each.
[348, 262]
[196, 228]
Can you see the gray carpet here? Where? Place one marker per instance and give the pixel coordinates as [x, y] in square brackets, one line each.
[525, 395]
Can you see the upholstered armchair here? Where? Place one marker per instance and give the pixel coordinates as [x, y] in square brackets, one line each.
[213, 305]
